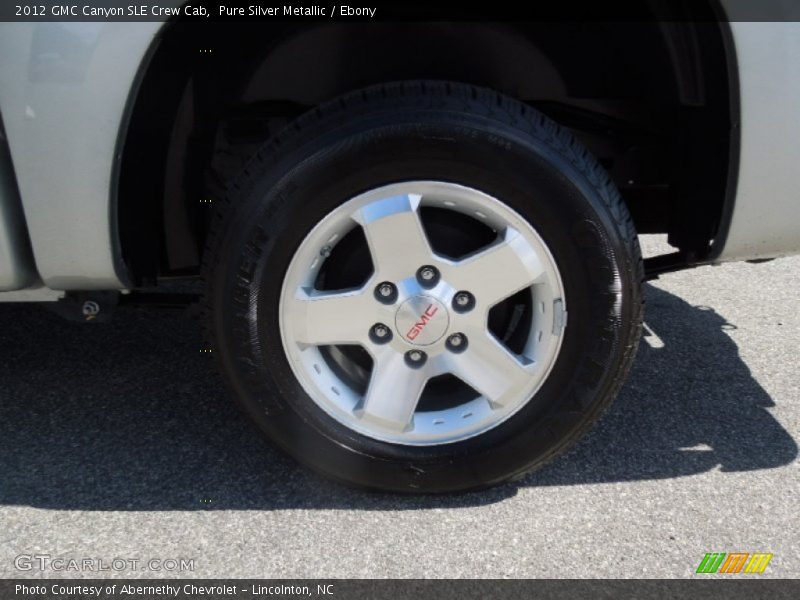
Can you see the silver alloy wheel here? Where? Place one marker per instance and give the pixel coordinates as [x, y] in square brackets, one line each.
[437, 320]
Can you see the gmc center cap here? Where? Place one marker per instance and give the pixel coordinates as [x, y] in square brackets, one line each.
[422, 320]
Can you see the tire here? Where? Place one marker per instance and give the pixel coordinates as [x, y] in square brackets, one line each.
[462, 137]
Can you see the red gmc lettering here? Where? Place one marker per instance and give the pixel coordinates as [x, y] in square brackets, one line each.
[419, 325]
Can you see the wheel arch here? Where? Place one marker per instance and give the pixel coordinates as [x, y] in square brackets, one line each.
[174, 161]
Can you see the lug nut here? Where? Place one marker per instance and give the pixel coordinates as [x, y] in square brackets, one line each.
[427, 276]
[416, 358]
[380, 333]
[463, 302]
[386, 292]
[456, 342]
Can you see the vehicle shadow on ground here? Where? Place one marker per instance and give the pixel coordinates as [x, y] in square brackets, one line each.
[131, 415]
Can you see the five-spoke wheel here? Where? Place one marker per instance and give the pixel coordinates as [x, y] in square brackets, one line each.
[389, 282]
[422, 315]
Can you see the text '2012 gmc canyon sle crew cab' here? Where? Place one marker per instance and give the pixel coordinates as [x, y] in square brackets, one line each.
[418, 241]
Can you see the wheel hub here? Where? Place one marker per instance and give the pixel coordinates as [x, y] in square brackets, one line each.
[422, 320]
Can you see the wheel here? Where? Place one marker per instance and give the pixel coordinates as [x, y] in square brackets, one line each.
[423, 287]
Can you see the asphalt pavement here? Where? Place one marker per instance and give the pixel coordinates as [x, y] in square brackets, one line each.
[118, 441]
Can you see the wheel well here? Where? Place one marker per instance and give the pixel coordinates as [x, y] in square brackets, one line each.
[652, 100]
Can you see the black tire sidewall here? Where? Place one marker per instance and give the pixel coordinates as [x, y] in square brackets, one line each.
[291, 195]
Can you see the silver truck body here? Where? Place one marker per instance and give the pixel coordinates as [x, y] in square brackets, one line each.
[65, 95]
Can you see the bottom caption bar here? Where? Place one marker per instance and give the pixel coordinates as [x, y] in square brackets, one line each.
[395, 589]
